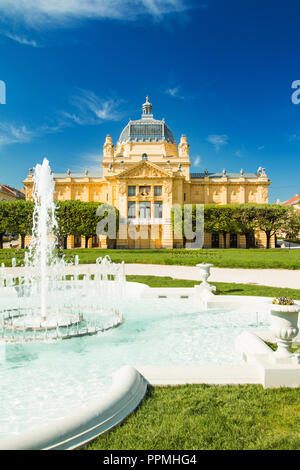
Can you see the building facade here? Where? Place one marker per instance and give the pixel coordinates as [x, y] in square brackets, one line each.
[294, 202]
[144, 175]
[10, 194]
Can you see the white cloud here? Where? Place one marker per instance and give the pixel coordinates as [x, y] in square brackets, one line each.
[61, 12]
[261, 147]
[197, 160]
[218, 140]
[12, 134]
[90, 109]
[294, 137]
[174, 92]
[21, 40]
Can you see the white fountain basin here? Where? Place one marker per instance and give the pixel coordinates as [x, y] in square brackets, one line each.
[47, 382]
[166, 335]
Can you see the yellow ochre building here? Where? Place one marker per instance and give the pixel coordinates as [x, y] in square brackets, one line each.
[144, 176]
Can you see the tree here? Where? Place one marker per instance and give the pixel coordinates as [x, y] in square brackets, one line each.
[220, 219]
[79, 218]
[68, 216]
[3, 221]
[245, 216]
[19, 218]
[291, 227]
[89, 220]
[271, 218]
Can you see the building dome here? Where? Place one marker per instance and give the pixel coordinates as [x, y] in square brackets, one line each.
[146, 129]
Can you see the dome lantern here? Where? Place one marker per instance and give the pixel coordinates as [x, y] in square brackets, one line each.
[147, 109]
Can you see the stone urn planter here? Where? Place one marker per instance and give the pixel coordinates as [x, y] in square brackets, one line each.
[204, 271]
[205, 289]
[284, 326]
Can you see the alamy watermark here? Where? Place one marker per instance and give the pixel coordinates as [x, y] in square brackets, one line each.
[186, 226]
[2, 92]
[295, 97]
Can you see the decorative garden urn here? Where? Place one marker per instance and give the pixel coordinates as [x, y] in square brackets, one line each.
[204, 271]
[205, 289]
[284, 326]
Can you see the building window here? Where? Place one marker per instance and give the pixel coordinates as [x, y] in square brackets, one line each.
[95, 241]
[145, 210]
[233, 240]
[184, 196]
[77, 242]
[131, 210]
[158, 209]
[215, 240]
[145, 190]
[131, 191]
[144, 156]
[157, 190]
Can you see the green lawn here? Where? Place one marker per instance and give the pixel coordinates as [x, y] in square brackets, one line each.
[230, 258]
[223, 288]
[197, 417]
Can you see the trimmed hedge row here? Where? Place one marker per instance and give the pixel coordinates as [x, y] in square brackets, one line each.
[73, 217]
[240, 218]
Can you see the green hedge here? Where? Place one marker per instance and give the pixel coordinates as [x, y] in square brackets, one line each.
[240, 218]
[73, 217]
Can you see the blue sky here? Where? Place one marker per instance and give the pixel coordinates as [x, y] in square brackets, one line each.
[219, 71]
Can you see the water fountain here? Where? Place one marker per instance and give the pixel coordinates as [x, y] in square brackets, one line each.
[50, 306]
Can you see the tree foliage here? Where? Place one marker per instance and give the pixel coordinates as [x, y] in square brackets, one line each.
[246, 219]
[19, 218]
[3, 221]
[272, 218]
[73, 217]
[220, 219]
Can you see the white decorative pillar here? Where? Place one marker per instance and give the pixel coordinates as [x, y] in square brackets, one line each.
[167, 229]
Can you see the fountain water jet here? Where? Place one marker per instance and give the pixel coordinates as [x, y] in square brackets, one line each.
[41, 250]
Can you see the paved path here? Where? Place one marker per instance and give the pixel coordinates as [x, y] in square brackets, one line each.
[265, 277]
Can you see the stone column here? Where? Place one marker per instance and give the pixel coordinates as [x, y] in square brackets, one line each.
[206, 191]
[242, 194]
[224, 194]
[83, 239]
[26, 241]
[154, 235]
[207, 240]
[167, 229]
[103, 239]
[241, 241]
[122, 237]
[167, 236]
[70, 241]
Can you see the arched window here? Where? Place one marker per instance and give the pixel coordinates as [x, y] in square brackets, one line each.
[144, 156]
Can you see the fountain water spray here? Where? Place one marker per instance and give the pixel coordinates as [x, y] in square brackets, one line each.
[41, 250]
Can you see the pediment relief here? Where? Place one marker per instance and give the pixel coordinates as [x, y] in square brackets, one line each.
[144, 170]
